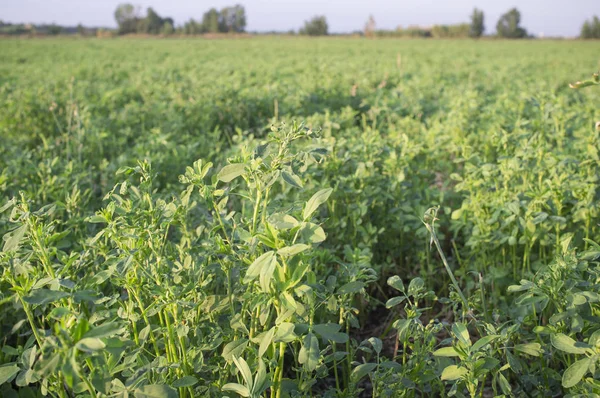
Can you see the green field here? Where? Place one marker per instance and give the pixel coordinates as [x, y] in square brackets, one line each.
[293, 217]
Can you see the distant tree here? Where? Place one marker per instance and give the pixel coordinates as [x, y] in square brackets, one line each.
[591, 29]
[370, 27]
[210, 21]
[128, 18]
[317, 26]
[153, 22]
[168, 29]
[54, 29]
[81, 30]
[232, 19]
[477, 26]
[508, 25]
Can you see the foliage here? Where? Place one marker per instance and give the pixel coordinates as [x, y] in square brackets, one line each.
[508, 25]
[170, 228]
[591, 29]
[477, 26]
[316, 26]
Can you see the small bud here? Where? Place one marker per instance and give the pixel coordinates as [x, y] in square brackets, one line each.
[598, 126]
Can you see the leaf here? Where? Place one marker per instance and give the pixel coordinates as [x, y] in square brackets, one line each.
[292, 250]
[13, 238]
[362, 370]
[415, 286]
[44, 296]
[285, 333]
[266, 341]
[237, 388]
[313, 203]
[231, 171]
[292, 179]
[351, 288]
[7, 372]
[155, 391]
[460, 331]
[482, 342]
[312, 233]
[260, 379]
[106, 330]
[396, 282]
[283, 221]
[309, 353]
[266, 274]
[244, 369]
[575, 372]
[90, 344]
[234, 348]
[185, 381]
[533, 349]
[446, 352]
[330, 331]
[567, 344]
[376, 343]
[453, 372]
[504, 384]
[394, 301]
[254, 270]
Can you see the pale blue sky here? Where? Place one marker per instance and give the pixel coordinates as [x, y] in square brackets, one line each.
[550, 17]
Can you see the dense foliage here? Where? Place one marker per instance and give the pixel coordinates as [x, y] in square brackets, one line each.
[295, 218]
[591, 29]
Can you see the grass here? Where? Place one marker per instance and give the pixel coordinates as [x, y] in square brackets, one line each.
[298, 217]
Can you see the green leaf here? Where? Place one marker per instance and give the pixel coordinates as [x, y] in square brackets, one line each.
[351, 288]
[313, 203]
[396, 282]
[260, 379]
[309, 353]
[234, 348]
[244, 369]
[362, 370]
[285, 333]
[524, 285]
[13, 238]
[155, 391]
[283, 221]
[415, 286]
[394, 301]
[312, 233]
[376, 343]
[44, 296]
[446, 352]
[90, 344]
[185, 381]
[7, 372]
[237, 388]
[231, 171]
[460, 331]
[482, 342]
[330, 332]
[292, 179]
[504, 384]
[533, 349]
[106, 330]
[453, 372]
[255, 269]
[292, 250]
[575, 372]
[266, 341]
[567, 344]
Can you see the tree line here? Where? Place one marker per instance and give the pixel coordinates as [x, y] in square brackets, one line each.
[232, 19]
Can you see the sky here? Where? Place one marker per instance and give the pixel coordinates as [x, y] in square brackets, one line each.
[539, 17]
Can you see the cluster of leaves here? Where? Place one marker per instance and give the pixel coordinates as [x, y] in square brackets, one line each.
[291, 263]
